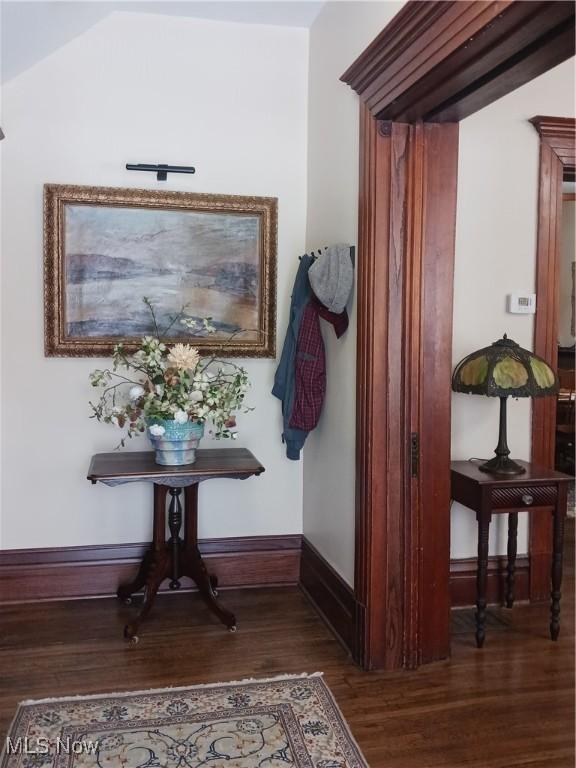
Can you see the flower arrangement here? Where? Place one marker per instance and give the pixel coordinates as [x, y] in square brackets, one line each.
[160, 382]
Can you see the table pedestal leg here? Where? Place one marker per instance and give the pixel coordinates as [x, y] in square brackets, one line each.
[556, 572]
[173, 559]
[483, 531]
[512, 548]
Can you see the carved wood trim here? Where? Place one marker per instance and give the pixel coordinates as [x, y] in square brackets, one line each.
[557, 160]
[442, 61]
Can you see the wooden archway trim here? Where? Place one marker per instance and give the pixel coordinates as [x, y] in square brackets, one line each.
[435, 62]
[557, 163]
[440, 61]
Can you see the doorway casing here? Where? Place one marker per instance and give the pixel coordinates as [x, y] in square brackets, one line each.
[557, 164]
[434, 64]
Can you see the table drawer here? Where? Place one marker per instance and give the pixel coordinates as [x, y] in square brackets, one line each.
[535, 496]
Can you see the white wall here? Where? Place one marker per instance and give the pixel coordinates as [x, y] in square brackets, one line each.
[496, 254]
[340, 33]
[230, 99]
[567, 258]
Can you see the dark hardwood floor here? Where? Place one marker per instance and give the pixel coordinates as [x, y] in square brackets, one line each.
[508, 705]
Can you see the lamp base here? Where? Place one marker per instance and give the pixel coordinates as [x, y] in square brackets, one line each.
[501, 465]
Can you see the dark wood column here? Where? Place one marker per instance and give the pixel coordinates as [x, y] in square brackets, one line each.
[406, 252]
[439, 180]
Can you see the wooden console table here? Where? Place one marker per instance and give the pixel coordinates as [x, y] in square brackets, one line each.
[173, 558]
[542, 491]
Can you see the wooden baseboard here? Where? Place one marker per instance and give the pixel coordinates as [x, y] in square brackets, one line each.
[28, 575]
[335, 601]
[463, 580]
[332, 597]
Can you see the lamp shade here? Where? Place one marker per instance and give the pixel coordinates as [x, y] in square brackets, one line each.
[504, 369]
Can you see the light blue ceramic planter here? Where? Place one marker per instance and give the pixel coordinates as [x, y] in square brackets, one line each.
[178, 444]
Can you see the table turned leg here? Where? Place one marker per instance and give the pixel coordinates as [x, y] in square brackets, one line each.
[558, 544]
[175, 523]
[193, 565]
[483, 531]
[512, 549]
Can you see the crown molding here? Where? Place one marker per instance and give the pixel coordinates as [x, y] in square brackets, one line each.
[559, 133]
[442, 61]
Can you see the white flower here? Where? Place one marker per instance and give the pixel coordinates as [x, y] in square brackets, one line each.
[196, 396]
[184, 357]
[136, 392]
[180, 417]
[157, 430]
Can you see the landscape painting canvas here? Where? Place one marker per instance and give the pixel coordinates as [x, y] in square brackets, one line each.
[206, 262]
[191, 256]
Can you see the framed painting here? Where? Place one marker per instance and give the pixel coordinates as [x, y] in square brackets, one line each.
[191, 256]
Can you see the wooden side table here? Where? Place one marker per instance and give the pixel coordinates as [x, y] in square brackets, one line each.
[173, 558]
[540, 490]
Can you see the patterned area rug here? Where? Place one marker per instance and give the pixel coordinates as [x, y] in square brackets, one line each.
[278, 723]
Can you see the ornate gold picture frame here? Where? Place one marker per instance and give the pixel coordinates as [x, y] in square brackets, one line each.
[193, 256]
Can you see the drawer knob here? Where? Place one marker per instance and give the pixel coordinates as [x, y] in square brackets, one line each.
[527, 499]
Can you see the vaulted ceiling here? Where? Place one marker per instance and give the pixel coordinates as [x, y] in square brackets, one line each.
[33, 30]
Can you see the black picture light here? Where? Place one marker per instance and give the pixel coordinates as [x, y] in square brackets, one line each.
[160, 170]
